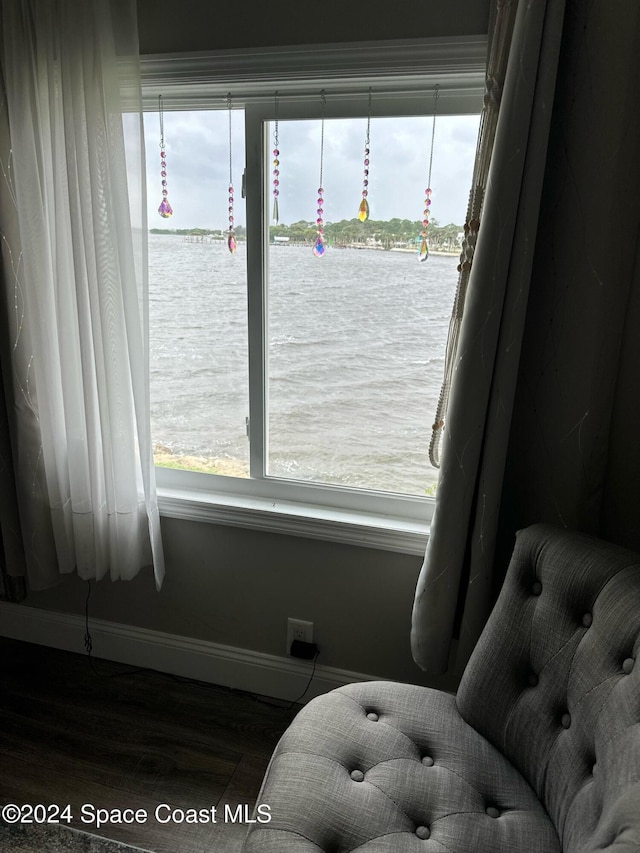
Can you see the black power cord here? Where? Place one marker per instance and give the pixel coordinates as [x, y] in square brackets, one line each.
[310, 651]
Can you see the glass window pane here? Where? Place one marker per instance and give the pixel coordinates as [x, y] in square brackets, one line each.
[198, 295]
[357, 338]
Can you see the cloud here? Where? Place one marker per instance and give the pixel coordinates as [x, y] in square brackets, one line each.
[197, 145]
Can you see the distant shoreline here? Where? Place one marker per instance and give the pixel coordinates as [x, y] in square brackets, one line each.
[214, 238]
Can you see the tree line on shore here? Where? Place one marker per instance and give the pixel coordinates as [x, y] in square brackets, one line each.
[386, 233]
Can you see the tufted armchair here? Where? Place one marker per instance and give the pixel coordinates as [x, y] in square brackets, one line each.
[539, 751]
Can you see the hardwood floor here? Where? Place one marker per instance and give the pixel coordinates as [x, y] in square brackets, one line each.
[112, 737]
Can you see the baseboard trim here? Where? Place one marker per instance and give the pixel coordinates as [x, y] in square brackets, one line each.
[241, 669]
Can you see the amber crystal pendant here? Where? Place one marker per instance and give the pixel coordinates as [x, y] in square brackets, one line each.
[424, 247]
[363, 210]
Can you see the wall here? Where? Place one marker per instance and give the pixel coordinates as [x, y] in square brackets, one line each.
[210, 26]
[236, 587]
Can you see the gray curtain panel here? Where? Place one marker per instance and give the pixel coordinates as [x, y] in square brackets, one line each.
[544, 417]
[485, 372]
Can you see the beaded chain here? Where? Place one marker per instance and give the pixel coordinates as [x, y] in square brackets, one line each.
[424, 247]
[363, 210]
[165, 210]
[276, 165]
[319, 246]
[232, 243]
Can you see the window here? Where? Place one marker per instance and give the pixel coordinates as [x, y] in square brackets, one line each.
[275, 374]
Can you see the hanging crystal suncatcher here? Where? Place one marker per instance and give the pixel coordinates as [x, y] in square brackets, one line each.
[363, 210]
[165, 210]
[319, 246]
[276, 165]
[232, 243]
[424, 247]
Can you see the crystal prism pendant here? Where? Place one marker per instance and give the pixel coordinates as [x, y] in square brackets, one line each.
[424, 250]
[275, 211]
[363, 210]
[232, 243]
[319, 247]
[165, 210]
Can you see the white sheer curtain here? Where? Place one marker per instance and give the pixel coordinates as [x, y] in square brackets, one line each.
[73, 227]
[454, 591]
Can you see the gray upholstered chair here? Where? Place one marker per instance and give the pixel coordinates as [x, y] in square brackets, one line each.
[538, 752]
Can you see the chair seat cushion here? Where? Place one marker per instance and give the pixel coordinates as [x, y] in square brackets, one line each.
[382, 767]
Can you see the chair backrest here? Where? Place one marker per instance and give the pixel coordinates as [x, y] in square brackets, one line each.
[554, 684]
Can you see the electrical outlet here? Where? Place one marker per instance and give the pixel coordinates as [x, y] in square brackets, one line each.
[298, 629]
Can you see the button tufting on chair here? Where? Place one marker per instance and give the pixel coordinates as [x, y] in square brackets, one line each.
[499, 740]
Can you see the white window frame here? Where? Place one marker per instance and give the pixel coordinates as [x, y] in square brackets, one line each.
[405, 72]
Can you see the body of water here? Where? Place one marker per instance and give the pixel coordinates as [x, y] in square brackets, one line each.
[355, 360]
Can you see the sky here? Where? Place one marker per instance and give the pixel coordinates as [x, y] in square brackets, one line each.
[197, 146]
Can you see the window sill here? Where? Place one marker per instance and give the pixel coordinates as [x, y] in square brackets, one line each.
[351, 527]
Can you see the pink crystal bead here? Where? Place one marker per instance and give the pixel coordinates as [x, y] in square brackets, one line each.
[165, 210]
[232, 243]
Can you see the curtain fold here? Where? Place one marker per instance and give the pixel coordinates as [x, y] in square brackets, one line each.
[500, 30]
[454, 591]
[12, 565]
[73, 224]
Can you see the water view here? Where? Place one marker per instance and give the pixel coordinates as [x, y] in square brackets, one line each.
[355, 361]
